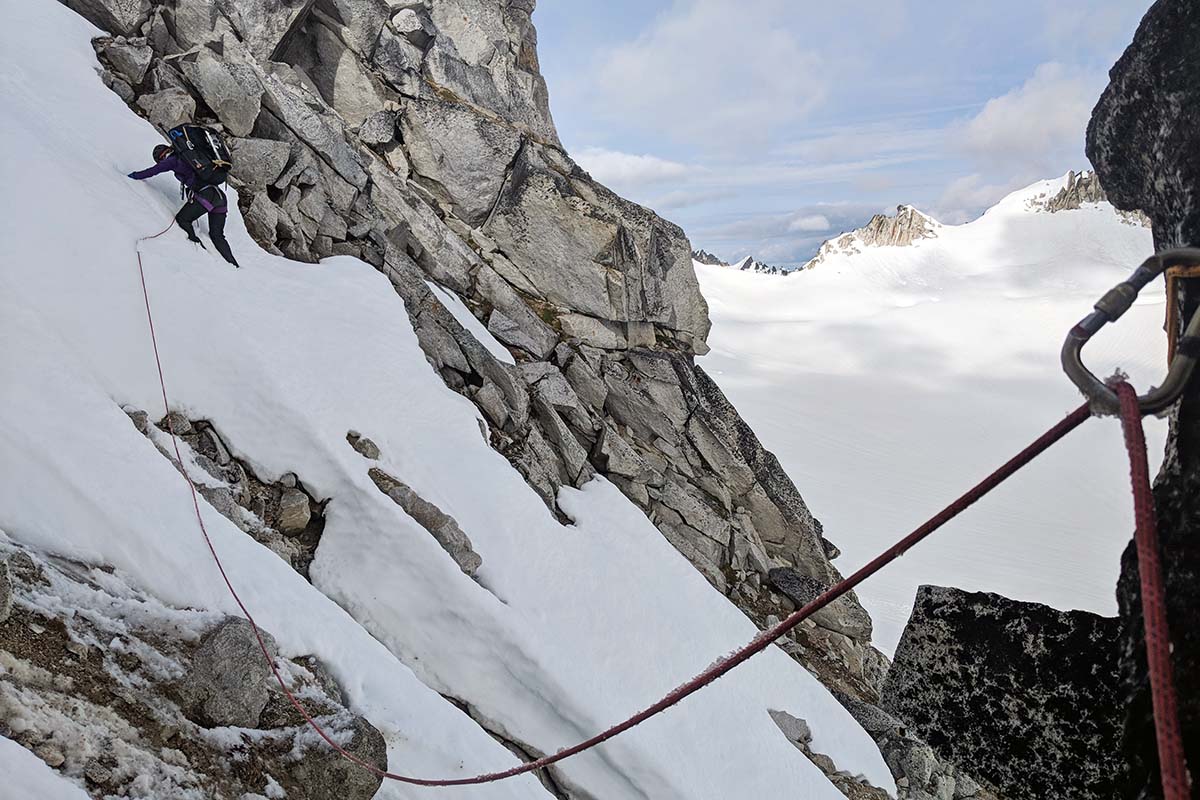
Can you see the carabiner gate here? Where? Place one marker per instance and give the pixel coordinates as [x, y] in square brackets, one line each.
[1109, 308]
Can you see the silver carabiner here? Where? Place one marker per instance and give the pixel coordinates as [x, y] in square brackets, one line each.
[1109, 308]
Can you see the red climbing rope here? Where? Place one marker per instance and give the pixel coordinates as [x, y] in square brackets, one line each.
[1172, 763]
[765, 638]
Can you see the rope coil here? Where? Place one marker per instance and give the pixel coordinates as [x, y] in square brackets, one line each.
[1172, 755]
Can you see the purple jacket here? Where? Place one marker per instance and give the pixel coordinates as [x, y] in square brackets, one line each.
[187, 176]
[183, 171]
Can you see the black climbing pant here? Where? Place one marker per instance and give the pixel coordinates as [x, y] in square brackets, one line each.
[194, 209]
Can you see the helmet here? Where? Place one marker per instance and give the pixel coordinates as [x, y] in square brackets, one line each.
[161, 151]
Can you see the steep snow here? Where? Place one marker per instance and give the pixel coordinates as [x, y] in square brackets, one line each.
[25, 775]
[890, 380]
[568, 628]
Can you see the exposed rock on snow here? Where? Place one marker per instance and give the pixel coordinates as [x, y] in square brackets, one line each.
[705, 257]
[1022, 695]
[1144, 140]
[294, 513]
[227, 682]
[907, 226]
[325, 773]
[1081, 189]
[86, 668]
[5, 591]
[752, 264]
[362, 445]
[279, 515]
[440, 525]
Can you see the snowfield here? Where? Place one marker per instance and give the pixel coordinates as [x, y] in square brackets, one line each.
[568, 628]
[890, 380]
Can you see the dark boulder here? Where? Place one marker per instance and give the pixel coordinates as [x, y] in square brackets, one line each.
[1144, 140]
[1021, 695]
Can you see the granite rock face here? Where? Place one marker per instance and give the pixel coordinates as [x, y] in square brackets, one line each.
[1025, 697]
[1144, 141]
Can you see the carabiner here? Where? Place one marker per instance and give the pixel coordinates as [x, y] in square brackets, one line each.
[1109, 308]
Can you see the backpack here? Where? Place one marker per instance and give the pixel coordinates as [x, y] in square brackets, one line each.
[204, 151]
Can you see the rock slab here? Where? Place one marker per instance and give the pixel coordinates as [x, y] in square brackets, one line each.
[1023, 696]
[227, 683]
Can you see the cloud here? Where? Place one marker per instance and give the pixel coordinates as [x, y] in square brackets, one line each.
[1038, 128]
[964, 198]
[712, 72]
[810, 222]
[612, 167]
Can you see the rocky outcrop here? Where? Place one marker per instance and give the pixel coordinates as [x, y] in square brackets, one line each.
[1144, 141]
[1022, 695]
[280, 514]
[1080, 189]
[441, 526]
[907, 226]
[228, 680]
[5, 592]
[93, 683]
[751, 264]
[705, 257]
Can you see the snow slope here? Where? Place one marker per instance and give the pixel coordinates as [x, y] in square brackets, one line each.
[891, 380]
[568, 628]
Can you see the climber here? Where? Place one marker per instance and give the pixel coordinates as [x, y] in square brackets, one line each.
[203, 197]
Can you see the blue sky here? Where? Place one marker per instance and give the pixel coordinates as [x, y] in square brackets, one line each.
[766, 126]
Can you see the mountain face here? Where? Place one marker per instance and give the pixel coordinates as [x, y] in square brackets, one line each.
[417, 138]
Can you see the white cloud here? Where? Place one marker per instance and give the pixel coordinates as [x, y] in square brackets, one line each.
[712, 71]
[614, 168]
[810, 222]
[965, 197]
[1038, 128]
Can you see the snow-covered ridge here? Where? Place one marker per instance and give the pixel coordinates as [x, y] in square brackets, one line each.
[909, 226]
[888, 378]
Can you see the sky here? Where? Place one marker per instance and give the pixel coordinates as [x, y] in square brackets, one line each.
[765, 127]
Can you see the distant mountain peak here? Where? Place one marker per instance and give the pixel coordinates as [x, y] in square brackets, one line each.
[751, 264]
[1080, 189]
[704, 257]
[906, 226]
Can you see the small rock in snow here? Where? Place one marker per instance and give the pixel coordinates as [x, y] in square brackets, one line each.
[50, 754]
[227, 683]
[5, 592]
[294, 512]
[177, 423]
[363, 445]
